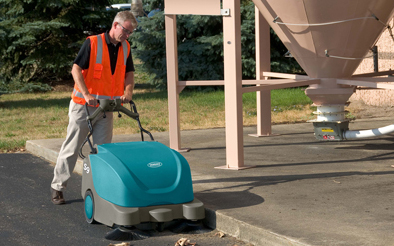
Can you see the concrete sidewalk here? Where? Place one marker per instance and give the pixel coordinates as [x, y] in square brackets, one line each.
[302, 191]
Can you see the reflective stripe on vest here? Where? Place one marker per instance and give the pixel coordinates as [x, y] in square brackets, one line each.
[124, 46]
[98, 97]
[99, 56]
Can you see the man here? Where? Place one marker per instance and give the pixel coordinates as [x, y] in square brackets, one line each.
[103, 69]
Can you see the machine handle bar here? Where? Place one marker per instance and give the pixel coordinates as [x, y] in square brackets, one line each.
[107, 105]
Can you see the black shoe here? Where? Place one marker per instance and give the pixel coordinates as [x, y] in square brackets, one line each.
[57, 197]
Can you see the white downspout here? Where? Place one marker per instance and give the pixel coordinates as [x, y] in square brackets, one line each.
[368, 133]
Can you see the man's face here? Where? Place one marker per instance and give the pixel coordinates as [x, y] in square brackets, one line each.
[123, 30]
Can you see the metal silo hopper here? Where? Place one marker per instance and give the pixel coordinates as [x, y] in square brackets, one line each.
[329, 39]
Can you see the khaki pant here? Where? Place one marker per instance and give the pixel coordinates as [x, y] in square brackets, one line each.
[77, 131]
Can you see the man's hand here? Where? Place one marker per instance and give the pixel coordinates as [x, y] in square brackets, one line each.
[129, 87]
[79, 80]
[125, 98]
[90, 100]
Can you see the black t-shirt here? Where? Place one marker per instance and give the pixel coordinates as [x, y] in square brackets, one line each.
[83, 56]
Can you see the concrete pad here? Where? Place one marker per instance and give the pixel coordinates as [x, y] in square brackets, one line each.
[301, 192]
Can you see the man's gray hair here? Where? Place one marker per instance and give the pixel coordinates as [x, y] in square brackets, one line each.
[126, 15]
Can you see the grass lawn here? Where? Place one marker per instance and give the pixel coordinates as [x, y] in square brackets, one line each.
[44, 115]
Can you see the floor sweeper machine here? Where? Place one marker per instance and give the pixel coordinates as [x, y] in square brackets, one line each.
[131, 184]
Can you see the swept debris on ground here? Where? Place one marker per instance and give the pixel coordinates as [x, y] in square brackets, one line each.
[119, 244]
[184, 242]
[220, 234]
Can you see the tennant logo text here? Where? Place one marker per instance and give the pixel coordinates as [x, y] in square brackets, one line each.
[155, 164]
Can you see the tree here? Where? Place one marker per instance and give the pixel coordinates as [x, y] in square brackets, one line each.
[39, 39]
[200, 46]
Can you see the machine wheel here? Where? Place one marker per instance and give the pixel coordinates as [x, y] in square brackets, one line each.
[89, 207]
[160, 226]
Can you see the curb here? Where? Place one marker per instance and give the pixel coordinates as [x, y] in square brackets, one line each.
[246, 232]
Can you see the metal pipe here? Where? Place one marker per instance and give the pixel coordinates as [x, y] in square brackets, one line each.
[375, 59]
[368, 133]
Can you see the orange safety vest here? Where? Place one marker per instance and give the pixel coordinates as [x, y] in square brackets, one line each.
[99, 80]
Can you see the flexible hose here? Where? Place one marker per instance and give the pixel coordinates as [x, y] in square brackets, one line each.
[323, 24]
[347, 58]
[368, 133]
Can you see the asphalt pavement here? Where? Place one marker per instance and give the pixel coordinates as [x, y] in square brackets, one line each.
[301, 192]
[27, 216]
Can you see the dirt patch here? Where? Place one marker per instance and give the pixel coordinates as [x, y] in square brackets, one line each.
[61, 86]
[360, 110]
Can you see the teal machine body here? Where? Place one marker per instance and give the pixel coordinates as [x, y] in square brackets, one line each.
[141, 174]
[129, 183]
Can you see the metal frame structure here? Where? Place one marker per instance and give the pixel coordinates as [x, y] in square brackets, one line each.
[232, 82]
[324, 88]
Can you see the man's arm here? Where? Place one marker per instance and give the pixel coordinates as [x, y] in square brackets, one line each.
[129, 87]
[79, 80]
